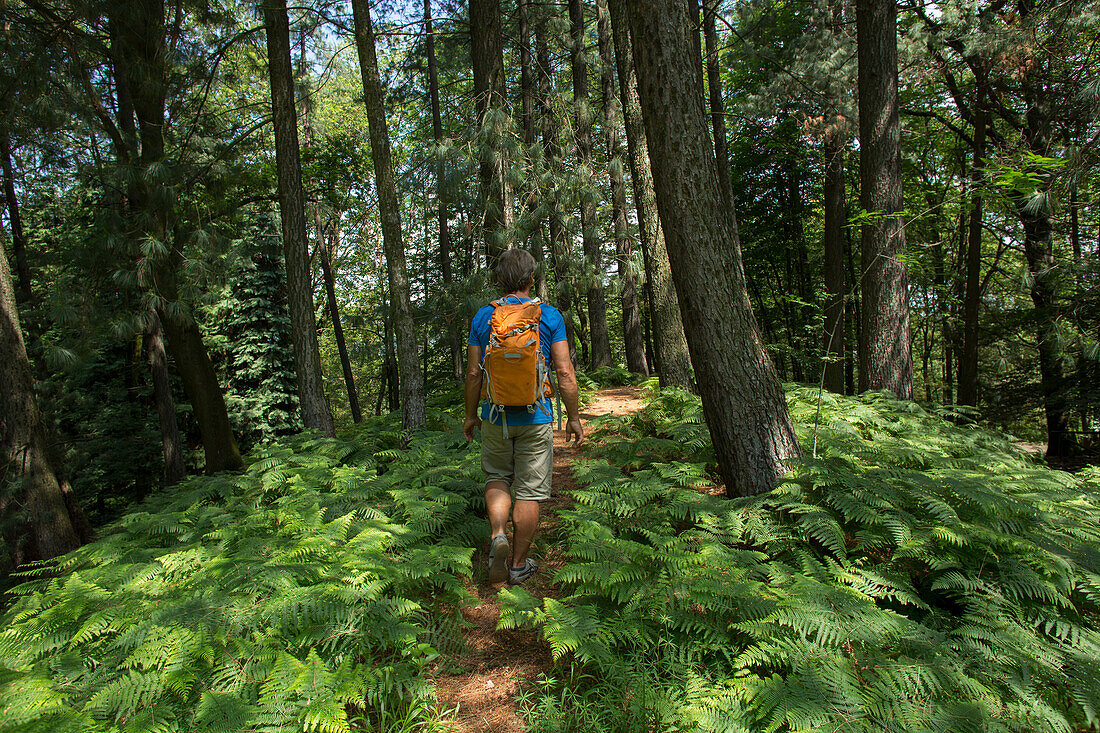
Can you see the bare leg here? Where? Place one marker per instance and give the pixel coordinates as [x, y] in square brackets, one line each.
[525, 519]
[498, 502]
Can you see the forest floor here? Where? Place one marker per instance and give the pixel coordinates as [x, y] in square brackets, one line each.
[481, 680]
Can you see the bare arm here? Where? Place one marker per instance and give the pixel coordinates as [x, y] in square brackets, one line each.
[473, 390]
[570, 395]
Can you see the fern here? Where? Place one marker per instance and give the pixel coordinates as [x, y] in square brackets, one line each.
[307, 589]
[915, 575]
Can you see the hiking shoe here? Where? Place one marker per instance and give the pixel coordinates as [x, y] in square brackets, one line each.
[499, 551]
[516, 577]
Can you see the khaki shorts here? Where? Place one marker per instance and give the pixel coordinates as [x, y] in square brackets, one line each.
[525, 461]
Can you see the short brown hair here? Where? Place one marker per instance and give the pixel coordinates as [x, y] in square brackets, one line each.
[514, 270]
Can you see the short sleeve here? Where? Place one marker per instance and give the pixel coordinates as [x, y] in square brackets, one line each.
[479, 327]
[557, 326]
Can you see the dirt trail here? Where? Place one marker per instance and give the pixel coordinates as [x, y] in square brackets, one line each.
[479, 684]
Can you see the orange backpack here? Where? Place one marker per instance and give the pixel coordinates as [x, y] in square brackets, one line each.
[516, 374]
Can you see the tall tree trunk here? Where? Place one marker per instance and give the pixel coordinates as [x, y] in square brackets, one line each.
[590, 236]
[142, 85]
[413, 408]
[833, 225]
[457, 362]
[162, 395]
[337, 325]
[37, 523]
[560, 246]
[834, 258]
[530, 142]
[743, 401]
[325, 250]
[1039, 253]
[307, 357]
[886, 359]
[487, 59]
[671, 357]
[968, 363]
[718, 116]
[18, 241]
[632, 322]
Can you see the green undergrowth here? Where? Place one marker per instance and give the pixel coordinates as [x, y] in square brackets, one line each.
[608, 376]
[307, 593]
[914, 576]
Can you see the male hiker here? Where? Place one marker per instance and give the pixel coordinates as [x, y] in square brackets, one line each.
[512, 342]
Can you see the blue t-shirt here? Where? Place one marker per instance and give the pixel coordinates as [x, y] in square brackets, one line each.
[551, 331]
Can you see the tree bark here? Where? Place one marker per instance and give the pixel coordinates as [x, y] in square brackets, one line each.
[834, 220]
[487, 59]
[671, 357]
[311, 394]
[337, 325]
[745, 408]
[590, 238]
[633, 338]
[968, 363]
[718, 116]
[528, 93]
[143, 81]
[834, 259]
[413, 410]
[1039, 253]
[18, 241]
[162, 394]
[457, 363]
[560, 246]
[886, 359]
[37, 523]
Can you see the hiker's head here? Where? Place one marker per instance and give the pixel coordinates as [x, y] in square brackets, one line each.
[515, 270]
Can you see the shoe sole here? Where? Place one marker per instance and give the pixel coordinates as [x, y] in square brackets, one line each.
[498, 561]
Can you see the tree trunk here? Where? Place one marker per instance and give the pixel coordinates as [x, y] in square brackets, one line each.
[886, 359]
[633, 338]
[18, 241]
[560, 247]
[337, 325]
[671, 357]
[968, 363]
[411, 382]
[311, 394]
[389, 369]
[457, 361]
[162, 395]
[528, 93]
[487, 59]
[1039, 253]
[745, 408]
[834, 259]
[718, 116]
[142, 83]
[37, 523]
[590, 237]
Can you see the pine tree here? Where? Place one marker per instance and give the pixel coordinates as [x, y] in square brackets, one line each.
[742, 398]
[885, 359]
[411, 382]
[36, 520]
[632, 322]
[315, 410]
[670, 349]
